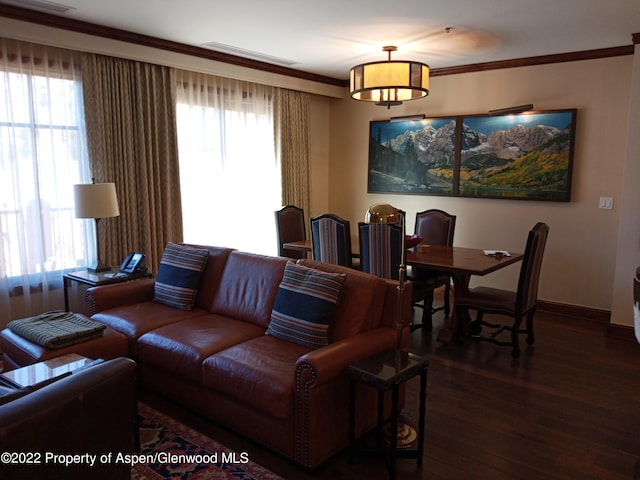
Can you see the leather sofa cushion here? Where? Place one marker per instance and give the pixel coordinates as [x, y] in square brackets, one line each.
[136, 319]
[259, 373]
[181, 347]
[211, 276]
[248, 287]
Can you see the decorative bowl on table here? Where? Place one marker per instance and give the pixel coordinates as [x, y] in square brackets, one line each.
[411, 241]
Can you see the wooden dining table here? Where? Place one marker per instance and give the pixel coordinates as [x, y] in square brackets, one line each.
[460, 262]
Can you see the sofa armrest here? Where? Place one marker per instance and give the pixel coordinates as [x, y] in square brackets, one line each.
[321, 395]
[118, 294]
[326, 363]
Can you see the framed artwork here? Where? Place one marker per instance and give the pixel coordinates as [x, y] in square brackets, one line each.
[526, 156]
[415, 156]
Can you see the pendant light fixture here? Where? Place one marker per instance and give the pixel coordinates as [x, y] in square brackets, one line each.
[389, 83]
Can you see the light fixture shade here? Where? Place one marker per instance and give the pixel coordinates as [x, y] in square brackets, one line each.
[389, 83]
[96, 200]
[382, 213]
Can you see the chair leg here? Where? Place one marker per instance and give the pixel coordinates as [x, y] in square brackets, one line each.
[427, 315]
[447, 304]
[475, 327]
[515, 341]
[530, 336]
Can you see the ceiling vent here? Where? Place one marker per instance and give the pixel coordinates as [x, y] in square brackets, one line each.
[39, 5]
[241, 52]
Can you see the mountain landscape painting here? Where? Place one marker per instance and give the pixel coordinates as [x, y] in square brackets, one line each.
[518, 156]
[412, 156]
[523, 156]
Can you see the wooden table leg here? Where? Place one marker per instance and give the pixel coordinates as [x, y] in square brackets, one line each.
[453, 328]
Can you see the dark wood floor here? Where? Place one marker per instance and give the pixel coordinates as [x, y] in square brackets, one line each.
[569, 410]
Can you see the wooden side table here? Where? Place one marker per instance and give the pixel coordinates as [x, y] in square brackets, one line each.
[94, 279]
[387, 371]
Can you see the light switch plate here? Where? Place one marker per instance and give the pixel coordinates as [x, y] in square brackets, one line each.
[606, 203]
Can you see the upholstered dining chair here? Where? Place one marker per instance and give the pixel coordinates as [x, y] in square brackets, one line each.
[436, 227]
[380, 246]
[290, 227]
[331, 239]
[523, 302]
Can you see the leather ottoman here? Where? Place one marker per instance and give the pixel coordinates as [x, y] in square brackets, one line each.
[18, 351]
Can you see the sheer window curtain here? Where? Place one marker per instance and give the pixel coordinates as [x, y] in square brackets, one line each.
[42, 154]
[230, 177]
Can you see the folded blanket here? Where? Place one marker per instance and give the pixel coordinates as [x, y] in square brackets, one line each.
[57, 329]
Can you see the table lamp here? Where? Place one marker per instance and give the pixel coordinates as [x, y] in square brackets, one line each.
[96, 200]
[387, 214]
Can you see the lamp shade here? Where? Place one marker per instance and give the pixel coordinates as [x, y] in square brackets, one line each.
[96, 200]
[382, 213]
[389, 83]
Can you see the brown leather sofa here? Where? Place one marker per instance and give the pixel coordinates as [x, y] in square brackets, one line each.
[217, 360]
[92, 411]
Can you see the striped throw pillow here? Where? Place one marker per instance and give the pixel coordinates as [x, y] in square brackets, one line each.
[304, 305]
[179, 275]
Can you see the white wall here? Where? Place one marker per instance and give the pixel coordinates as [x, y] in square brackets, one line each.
[628, 249]
[580, 259]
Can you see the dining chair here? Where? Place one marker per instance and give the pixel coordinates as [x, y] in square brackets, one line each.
[331, 239]
[523, 302]
[380, 249]
[436, 227]
[290, 227]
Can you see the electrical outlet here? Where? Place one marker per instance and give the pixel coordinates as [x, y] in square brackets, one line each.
[606, 203]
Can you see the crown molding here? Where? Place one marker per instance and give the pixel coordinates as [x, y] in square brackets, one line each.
[57, 21]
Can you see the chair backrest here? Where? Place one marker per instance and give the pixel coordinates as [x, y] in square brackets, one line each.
[380, 246]
[436, 227]
[531, 265]
[331, 239]
[290, 227]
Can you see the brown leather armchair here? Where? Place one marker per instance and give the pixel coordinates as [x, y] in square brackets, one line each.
[90, 412]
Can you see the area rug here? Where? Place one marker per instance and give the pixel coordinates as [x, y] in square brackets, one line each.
[171, 450]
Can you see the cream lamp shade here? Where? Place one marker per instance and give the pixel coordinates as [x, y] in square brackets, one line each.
[389, 83]
[96, 200]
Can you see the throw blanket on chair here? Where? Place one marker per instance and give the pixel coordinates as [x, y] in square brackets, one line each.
[57, 329]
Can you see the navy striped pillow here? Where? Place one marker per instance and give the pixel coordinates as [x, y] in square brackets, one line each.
[179, 275]
[304, 304]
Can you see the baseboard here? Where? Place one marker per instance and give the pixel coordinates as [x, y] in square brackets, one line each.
[586, 313]
[621, 332]
[601, 317]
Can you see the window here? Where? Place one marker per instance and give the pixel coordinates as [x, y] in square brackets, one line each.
[229, 177]
[42, 154]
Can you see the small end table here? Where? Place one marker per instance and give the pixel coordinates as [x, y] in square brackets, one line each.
[387, 371]
[94, 279]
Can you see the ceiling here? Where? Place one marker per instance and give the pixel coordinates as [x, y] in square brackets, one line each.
[329, 37]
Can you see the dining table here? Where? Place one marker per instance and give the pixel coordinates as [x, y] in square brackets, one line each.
[459, 262]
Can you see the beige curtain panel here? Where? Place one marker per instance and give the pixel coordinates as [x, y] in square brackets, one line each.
[292, 146]
[130, 112]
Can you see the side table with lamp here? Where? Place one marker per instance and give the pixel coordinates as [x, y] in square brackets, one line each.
[388, 370]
